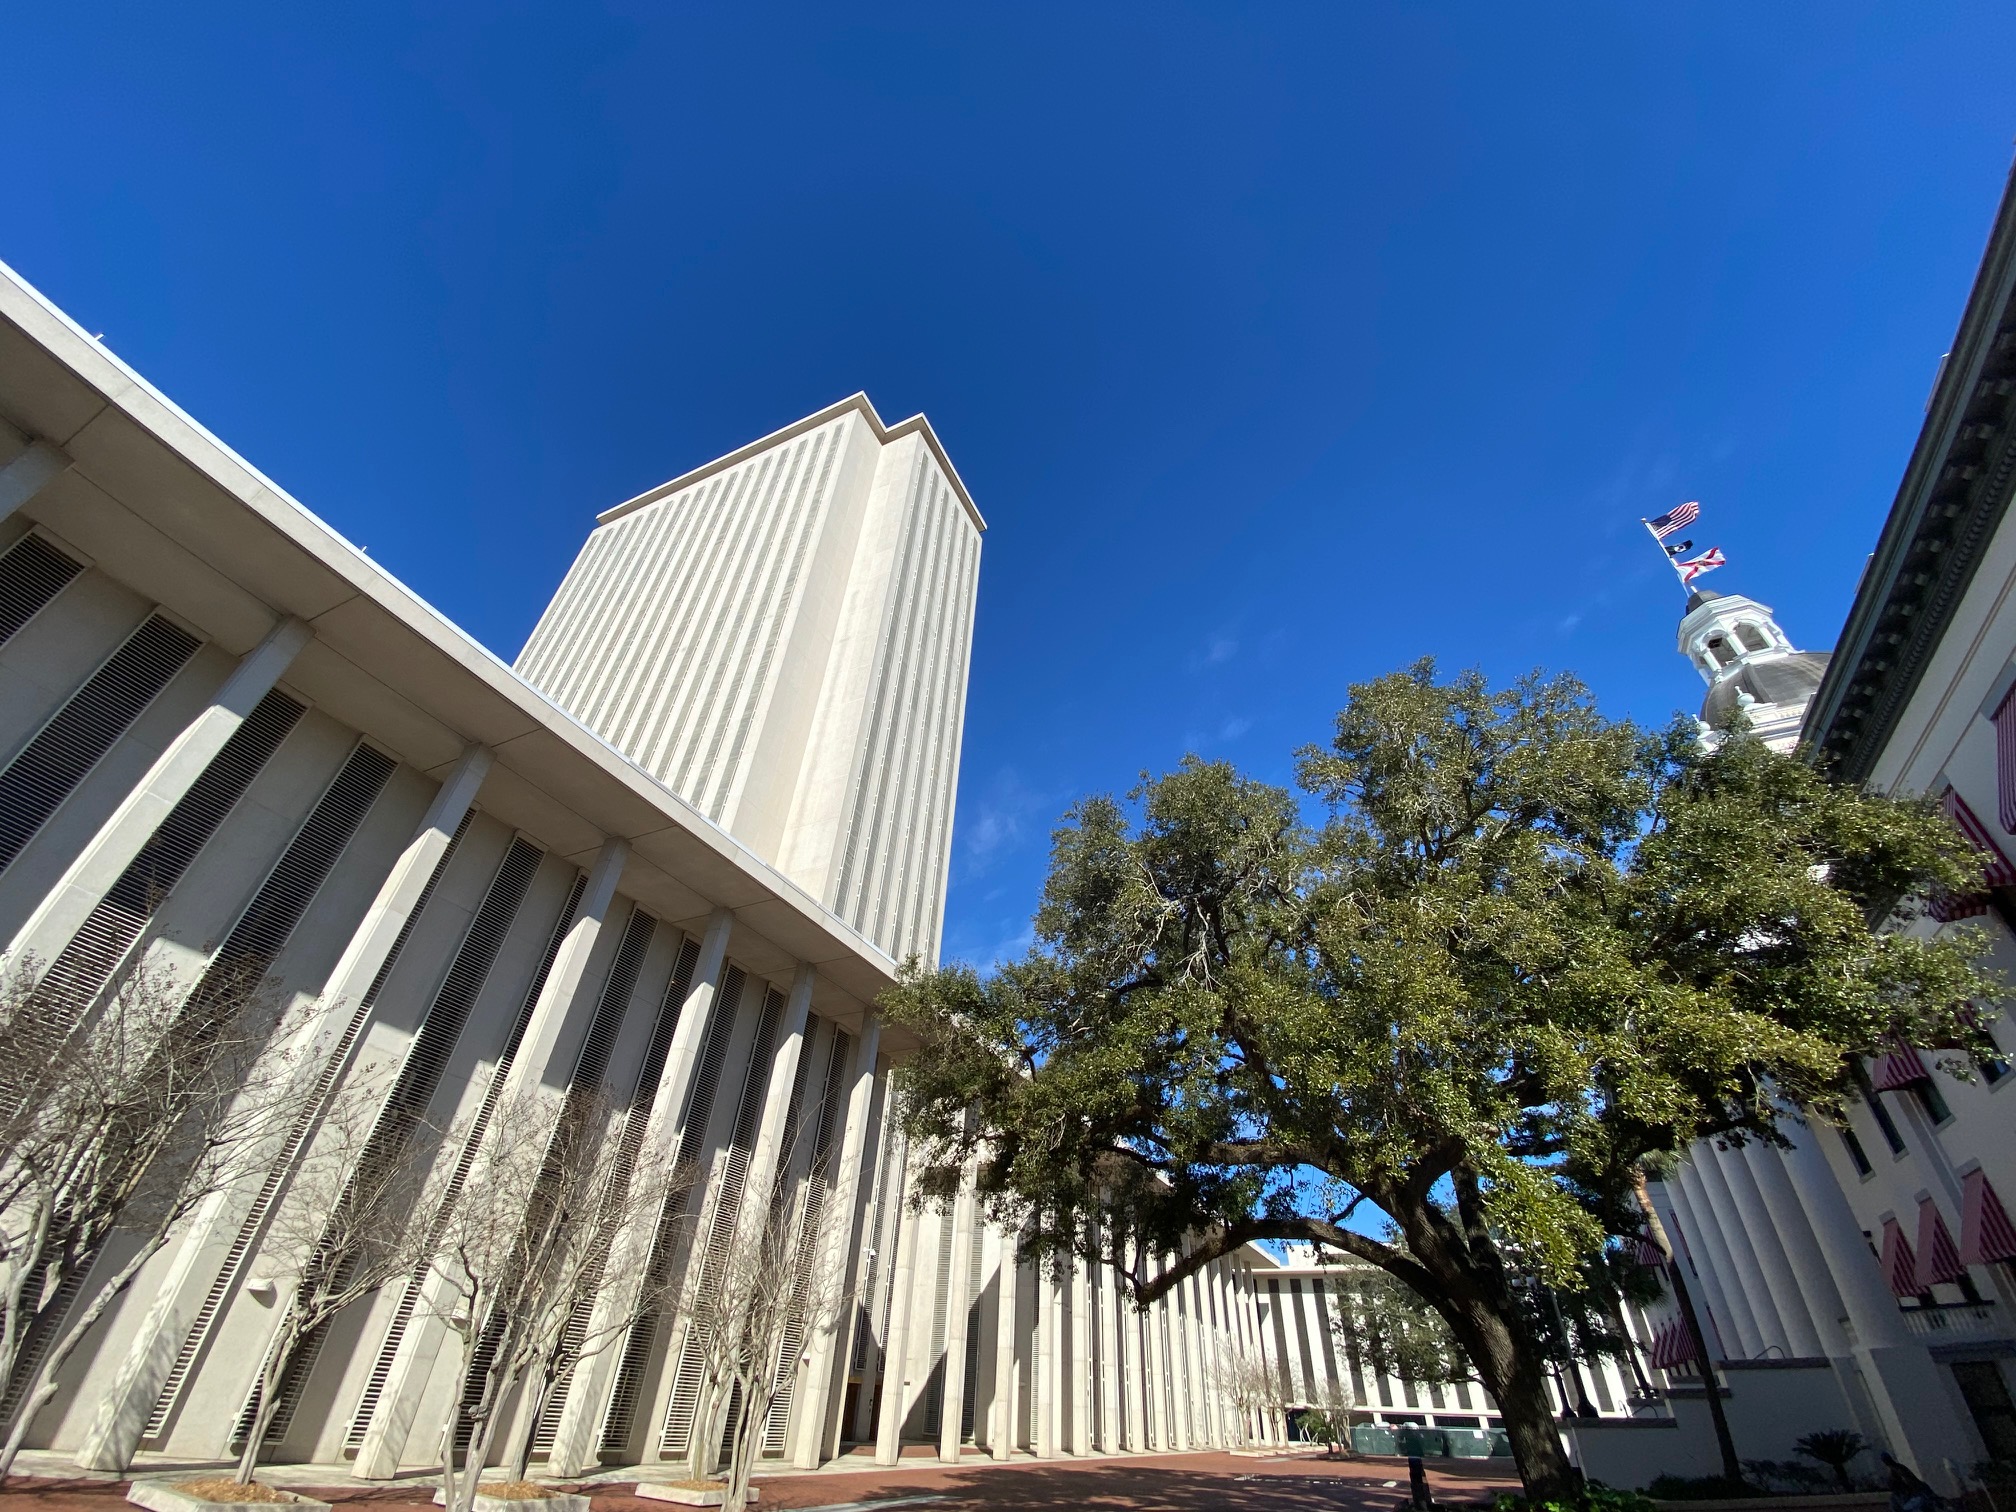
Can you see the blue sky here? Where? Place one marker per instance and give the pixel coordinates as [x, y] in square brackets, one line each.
[1280, 345]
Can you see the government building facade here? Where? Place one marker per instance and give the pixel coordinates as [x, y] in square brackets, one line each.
[672, 855]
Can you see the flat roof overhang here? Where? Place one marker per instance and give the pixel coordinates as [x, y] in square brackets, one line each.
[168, 509]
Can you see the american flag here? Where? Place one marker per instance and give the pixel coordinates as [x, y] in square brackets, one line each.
[1667, 523]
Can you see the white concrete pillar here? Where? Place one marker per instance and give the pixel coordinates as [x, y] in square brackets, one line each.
[576, 1438]
[896, 1347]
[1001, 1432]
[560, 999]
[335, 1030]
[1081, 1353]
[1802, 1251]
[1746, 1264]
[66, 906]
[1133, 1394]
[1106, 1321]
[814, 1432]
[1714, 1265]
[1802, 1334]
[29, 473]
[768, 1153]
[1921, 1413]
[1045, 1408]
[958, 1310]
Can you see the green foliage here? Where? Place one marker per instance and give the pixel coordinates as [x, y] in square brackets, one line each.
[1786, 1476]
[1593, 1497]
[1395, 1331]
[1524, 949]
[1835, 1448]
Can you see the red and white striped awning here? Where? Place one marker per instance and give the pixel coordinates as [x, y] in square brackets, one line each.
[1900, 1266]
[1899, 1069]
[1672, 1345]
[2005, 761]
[1986, 1234]
[1938, 1259]
[2000, 872]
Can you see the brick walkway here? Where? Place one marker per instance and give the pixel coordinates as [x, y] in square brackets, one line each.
[1152, 1483]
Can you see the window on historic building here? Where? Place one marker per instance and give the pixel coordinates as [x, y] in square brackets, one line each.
[1855, 1152]
[1987, 1397]
[1752, 638]
[1931, 1100]
[1874, 1103]
[2005, 761]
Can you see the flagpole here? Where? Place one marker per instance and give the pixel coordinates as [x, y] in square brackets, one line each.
[1665, 555]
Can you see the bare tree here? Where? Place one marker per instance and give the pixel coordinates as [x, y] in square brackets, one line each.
[1254, 1387]
[774, 1283]
[114, 1125]
[518, 1258]
[353, 1221]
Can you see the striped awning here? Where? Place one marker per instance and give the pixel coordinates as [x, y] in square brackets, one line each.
[1900, 1266]
[1645, 1253]
[2005, 761]
[1672, 1345]
[1938, 1257]
[2000, 872]
[1899, 1069]
[1986, 1234]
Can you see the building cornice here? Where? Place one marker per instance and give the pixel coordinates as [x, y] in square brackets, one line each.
[859, 403]
[1954, 494]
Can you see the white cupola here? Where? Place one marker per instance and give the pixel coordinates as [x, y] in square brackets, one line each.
[1749, 663]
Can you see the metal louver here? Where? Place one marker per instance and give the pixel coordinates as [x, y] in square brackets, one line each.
[629, 1144]
[721, 1231]
[419, 1078]
[381, 1369]
[692, 1128]
[247, 951]
[57, 757]
[32, 572]
[589, 1066]
[818, 1188]
[86, 964]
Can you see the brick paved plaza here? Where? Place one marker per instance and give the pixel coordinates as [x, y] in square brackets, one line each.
[1151, 1483]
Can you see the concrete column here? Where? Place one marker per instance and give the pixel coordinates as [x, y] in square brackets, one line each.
[1228, 1353]
[768, 1153]
[116, 1429]
[1044, 1406]
[896, 1347]
[1920, 1408]
[1001, 1432]
[1802, 1336]
[1079, 1383]
[1747, 1265]
[1167, 1338]
[1106, 1320]
[885, 1227]
[576, 1440]
[66, 906]
[843, 1251]
[1715, 1265]
[1133, 1396]
[29, 473]
[1191, 1432]
[1812, 1278]
[560, 999]
[958, 1311]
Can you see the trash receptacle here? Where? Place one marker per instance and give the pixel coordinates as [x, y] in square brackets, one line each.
[1429, 1443]
[1501, 1445]
[1469, 1443]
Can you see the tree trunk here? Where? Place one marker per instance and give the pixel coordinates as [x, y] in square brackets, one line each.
[283, 1349]
[1732, 1468]
[66, 1346]
[1512, 1372]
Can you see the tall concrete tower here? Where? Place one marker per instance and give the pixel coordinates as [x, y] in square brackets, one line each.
[781, 637]
[1750, 664]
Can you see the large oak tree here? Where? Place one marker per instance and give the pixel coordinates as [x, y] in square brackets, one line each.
[1438, 1020]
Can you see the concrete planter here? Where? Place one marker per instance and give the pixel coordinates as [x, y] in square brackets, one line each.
[1833, 1501]
[165, 1496]
[688, 1496]
[559, 1501]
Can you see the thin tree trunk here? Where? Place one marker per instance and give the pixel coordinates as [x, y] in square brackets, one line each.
[269, 1390]
[1732, 1468]
[67, 1345]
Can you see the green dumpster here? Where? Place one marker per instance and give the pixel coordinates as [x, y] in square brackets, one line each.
[1469, 1443]
[1430, 1443]
[1372, 1438]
